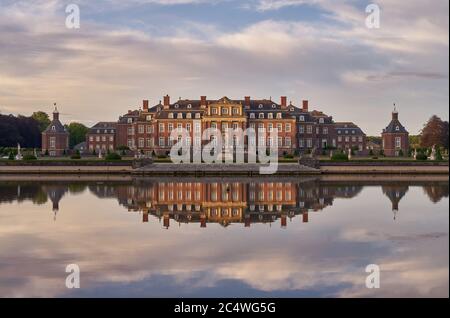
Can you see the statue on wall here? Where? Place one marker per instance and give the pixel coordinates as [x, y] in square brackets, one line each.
[433, 153]
[19, 153]
[349, 154]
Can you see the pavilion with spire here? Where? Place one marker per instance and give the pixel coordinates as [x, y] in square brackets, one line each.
[55, 139]
[395, 137]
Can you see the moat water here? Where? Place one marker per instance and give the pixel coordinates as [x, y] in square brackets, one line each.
[227, 237]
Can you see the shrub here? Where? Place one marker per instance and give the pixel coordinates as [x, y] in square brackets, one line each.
[29, 157]
[421, 156]
[76, 155]
[400, 153]
[46, 153]
[11, 156]
[288, 156]
[375, 158]
[113, 156]
[370, 152]
[439, 155]
[339, 157]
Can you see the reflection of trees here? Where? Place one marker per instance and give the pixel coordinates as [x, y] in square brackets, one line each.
[40, 197]
[436, 192]
[75, 188]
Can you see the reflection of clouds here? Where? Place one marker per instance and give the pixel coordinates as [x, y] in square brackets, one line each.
[112, 247]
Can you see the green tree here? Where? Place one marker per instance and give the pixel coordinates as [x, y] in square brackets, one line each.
[42, 119]
[77, 133]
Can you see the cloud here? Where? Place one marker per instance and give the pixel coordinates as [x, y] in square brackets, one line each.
[335, 60]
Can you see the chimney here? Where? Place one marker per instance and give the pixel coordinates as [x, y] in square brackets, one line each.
[145, 105]
[305, 105]
[166, 101]
[247, 101]
[203, 101]
[283, 101]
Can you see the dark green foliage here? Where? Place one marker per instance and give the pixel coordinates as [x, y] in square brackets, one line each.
[113, 156]
[29, 157]
[421, 156]
[20, 129]
[339, 157]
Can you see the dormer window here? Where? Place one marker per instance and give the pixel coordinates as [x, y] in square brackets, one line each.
[252, 115]
[197, 115]
[53, 128]
[180, 116]
[260, 105]
[397, 128]
[274, 106]
[130, 120]
[278, 115]
[302, 118]
[269, 116]
[189, 106]
[291, 109]
[149, 117]
[177, 106]
[170, 115]
[321, 120]
[189, 115]
[261, 115]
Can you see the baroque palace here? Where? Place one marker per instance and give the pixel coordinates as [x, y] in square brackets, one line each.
[300, 130]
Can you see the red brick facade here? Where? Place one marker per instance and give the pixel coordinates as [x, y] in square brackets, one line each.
[55, 139]
[395, 138]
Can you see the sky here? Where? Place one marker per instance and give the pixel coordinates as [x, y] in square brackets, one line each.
[320, 50]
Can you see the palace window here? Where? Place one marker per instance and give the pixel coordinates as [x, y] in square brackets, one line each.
[214, 111]
[301, 129]
[52, 142]
[224, 111]
[170, 115]
[252, 115]
[309, 129]
[180, 116]
[269, 116]
[141, 129]
[103, 138]
[280, 127]
[188, 127]
[398, 142]
[188, 115]
[321, 120]
[141, 143]
[149, 129]
[360, 139]
[301, 143]
[91, 138]
[197, 115]
[235, 111]
[325, 130]
[278, 115]
[309, 143]
[161, 141]
[261, 115]
[161, 128]
[288, 127]
[170, 127]
[97, 139]
[287, 141]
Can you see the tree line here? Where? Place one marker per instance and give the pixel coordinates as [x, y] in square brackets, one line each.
[26, 131]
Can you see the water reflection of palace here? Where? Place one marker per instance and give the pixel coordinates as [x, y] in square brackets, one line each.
[227, 202]
[216, 201]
